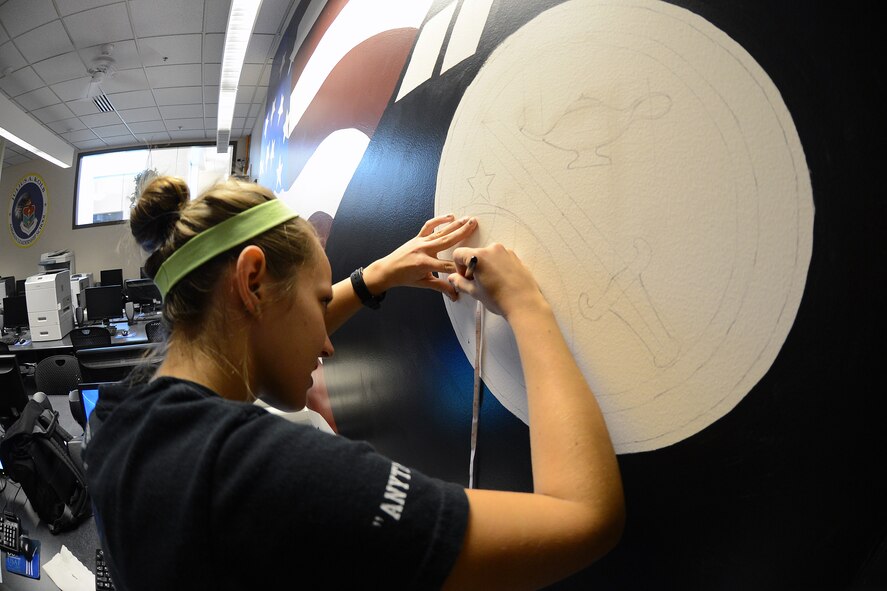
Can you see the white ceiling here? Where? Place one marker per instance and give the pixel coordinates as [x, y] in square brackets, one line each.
[167, 56]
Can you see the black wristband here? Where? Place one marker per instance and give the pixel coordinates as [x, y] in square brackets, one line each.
[360, 288]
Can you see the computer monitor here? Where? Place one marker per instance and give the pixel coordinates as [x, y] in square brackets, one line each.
[13, 397]
[104, 303]
[111, 277]
[7, 286]
[143, 292]
[20, 287]
[15, 312]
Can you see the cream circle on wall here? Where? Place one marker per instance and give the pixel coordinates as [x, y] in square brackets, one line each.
[647, 170]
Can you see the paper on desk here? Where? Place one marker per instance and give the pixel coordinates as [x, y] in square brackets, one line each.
[69, 573]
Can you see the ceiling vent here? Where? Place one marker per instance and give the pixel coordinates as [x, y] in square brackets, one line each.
[103, 103]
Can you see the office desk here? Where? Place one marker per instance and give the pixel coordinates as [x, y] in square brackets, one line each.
[82, 542]
[34, 351]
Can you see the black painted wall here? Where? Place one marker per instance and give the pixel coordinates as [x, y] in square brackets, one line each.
[789, 490]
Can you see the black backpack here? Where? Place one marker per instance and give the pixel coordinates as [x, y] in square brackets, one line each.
[34, 451]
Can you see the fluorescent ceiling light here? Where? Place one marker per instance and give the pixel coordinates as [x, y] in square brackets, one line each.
[21, 129]
[241, 20]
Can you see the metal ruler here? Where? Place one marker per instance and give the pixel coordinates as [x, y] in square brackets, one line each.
[475, 405]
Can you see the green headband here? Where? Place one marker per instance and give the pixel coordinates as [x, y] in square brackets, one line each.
[209, 243]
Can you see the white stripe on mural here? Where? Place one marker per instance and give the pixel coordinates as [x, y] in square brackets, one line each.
[426, 51]
[467, 31]
[358, 21]
[307, 23]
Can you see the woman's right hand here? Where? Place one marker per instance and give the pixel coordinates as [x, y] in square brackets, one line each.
[500, 280]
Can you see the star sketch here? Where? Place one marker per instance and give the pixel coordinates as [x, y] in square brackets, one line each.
[480, 182]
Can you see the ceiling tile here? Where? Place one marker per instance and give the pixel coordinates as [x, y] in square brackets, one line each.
[125, 81]
[90, 144]
[249, 75]
[212, 74]
[66, 125]
[211, 122]
[260, 95]
[82, 107]
[180, 124]
[155, 137]
[53, 113]
[271, 16]
[216, 16]
[181, 111]
[265, 78]
[213, 48]
[193, 134]
[132, 100]
[177, 49]
[107, 131]
[125, 54]
[47, 41]
[37, 99]
[100, 119]
[21, 81]
[67, 7]
[178, 96]
[254, 110]
[136, 116]
[210, 94]
[237, 122]
[72, 90]
[257, 50]
[166, 17]
[11, 58]
[241, 109]
[19, 16]
[121, 140]
[60, 68]
[99, 25]
[169, 76]
[147, 126]
[3, 36]
[13, 159]
[211, 110]
[79, 135]
[245, 94]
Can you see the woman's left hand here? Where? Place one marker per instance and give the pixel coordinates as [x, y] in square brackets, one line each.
[415, 262]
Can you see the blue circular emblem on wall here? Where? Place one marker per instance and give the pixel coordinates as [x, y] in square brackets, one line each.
[27, 210]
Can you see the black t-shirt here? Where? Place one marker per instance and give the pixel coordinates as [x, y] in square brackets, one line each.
[193, 491]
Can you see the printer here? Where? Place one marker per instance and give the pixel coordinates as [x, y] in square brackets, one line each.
[59, 259]
[79, 282]
[50, 314]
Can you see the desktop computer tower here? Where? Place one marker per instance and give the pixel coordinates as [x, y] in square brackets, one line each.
[50, 314]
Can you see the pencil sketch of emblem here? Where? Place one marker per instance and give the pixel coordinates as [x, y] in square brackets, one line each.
[589, 125]
[647, 169]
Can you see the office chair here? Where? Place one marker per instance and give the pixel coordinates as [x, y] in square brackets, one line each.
[92, 336]
[155, 332]
[57, 375]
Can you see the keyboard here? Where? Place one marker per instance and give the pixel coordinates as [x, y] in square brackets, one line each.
[103, 580]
